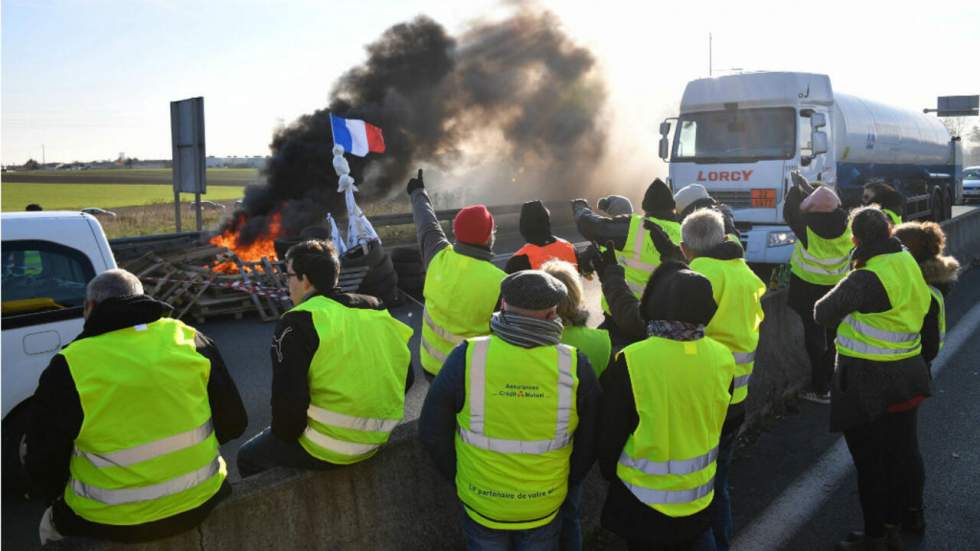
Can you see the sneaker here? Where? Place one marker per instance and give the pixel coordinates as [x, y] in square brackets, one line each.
[816, 397]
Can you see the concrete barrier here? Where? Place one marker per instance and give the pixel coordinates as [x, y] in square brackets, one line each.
[397, 500]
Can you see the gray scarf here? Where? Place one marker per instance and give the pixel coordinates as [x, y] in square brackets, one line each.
[525, 331]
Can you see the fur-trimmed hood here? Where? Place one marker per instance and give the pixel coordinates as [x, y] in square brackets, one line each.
[940, 270]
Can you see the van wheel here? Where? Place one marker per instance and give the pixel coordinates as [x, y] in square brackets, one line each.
[15, 480]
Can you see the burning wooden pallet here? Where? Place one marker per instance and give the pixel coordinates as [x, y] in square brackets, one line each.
[190, 282]
[209, 281]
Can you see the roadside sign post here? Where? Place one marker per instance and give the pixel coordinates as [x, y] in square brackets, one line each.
[956, 106]
[188, 153]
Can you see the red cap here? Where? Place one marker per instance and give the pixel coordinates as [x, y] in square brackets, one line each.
[473, 225]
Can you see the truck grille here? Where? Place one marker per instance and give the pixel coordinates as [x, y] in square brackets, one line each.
[734, 199]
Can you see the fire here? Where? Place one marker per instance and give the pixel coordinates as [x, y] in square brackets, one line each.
[254, 251]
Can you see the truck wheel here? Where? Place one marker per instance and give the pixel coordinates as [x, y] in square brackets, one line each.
[15, 481]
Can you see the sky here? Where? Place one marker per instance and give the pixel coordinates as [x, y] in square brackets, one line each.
[92, 79]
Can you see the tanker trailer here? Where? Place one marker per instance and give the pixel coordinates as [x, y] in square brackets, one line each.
[742, 135]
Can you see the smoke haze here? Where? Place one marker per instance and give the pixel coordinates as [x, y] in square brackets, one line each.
[517, 95]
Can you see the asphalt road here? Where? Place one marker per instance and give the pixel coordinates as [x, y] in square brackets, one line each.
[764, 466]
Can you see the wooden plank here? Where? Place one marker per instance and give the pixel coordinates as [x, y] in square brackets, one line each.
[192, 300]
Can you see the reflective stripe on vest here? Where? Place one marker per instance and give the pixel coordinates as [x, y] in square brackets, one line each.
[744, 357]
[685, 466]
[350, 422]
[650, 496]
[825, 261]
[451, 337]
[475, 436]
[741, 381]
[339, 446]
[639, 256]
[151, 450]
[893, 334]
[147, 493]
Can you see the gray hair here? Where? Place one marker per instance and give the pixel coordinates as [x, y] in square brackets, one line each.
[113, 284]
[703, 230]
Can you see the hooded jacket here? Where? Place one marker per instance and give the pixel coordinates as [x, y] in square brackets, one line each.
[828, 225]
[862, 390]
[57, 419]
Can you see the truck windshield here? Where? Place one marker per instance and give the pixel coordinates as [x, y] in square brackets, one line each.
[734, 135]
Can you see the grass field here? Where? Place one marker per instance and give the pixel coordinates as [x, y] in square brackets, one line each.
[60, 196]
[215, 176]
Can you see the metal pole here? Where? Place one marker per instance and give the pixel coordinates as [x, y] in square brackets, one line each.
[710, 68]
[43, 160]
[177, 208]
[197, 203]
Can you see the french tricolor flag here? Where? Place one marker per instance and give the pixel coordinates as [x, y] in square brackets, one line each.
[356, 136]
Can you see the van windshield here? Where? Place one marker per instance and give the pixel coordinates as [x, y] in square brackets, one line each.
[736, 135]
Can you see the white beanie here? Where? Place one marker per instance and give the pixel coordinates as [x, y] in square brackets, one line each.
[689, 194]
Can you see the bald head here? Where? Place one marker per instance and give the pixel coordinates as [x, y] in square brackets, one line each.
[112, 284]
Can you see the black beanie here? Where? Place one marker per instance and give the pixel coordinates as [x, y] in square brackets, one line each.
[658, 198]
[535, 223]
[675, 293]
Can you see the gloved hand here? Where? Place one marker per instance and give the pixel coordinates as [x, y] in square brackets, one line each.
[602, 259]
[800, 182]
[415, 183]
[661, 241]
[579, 204]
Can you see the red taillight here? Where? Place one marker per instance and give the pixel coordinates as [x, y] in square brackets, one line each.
[763, 198]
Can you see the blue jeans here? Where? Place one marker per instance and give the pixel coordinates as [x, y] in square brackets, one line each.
[481, 538]
[571, 519]
[265, 451]
[722, 522]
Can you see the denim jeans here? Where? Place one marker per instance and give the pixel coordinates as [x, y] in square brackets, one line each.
[481, 538]
[265, 451]
[571, 519]
[722, 522]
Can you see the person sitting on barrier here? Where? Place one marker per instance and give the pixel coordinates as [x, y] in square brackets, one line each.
[340, 372]
[127, 420]
[737, 291]
[660, 454]
[462, 285]
[615, 205]
[880, 377]
[541, 245]
[926, 242]
[597, 347]
[821, 258]
[629, 242]
[511, 418]
[891, 202]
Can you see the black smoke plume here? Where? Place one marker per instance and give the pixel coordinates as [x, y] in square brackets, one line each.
[518, 92]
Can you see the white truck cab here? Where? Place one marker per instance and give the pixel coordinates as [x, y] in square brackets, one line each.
[48, 259]
[742, 135]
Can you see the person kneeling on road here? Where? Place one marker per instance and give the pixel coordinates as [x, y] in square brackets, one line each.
[462, 285]
[511, 418]
[340, 371]
[664, 402]
[880, 378]
[131, 415]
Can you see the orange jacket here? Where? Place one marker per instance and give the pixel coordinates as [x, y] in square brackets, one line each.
[538, 255]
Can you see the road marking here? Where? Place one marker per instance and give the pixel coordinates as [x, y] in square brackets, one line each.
[798, 503]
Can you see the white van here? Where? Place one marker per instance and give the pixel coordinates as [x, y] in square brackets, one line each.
[48, 259]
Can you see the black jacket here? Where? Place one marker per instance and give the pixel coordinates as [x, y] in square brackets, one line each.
[294, 343]
[863, 389]
[57, 416]
[623, 513]
[437, 423]
[828, 225]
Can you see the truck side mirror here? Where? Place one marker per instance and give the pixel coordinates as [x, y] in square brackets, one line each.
[664, 147]
[664, 128]
[818, 120]
[820, 145]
